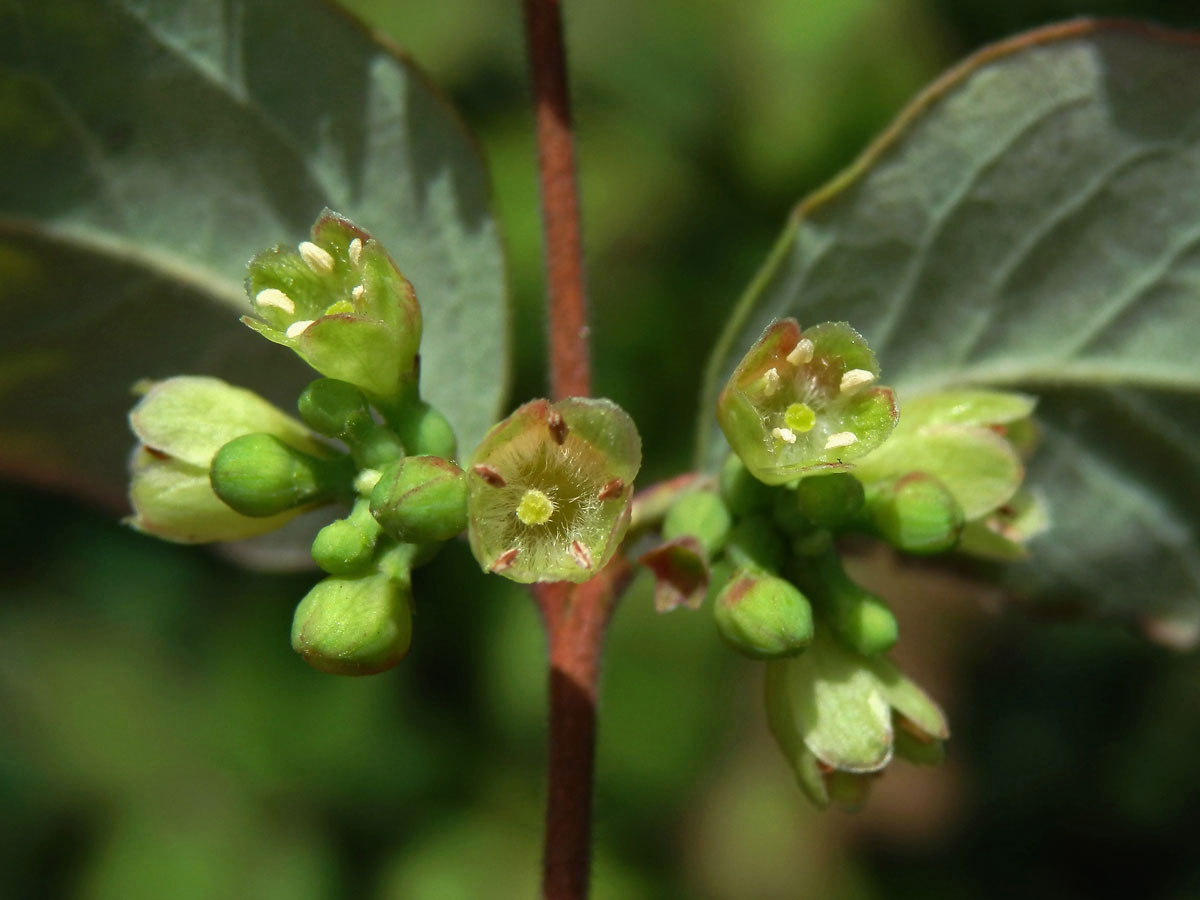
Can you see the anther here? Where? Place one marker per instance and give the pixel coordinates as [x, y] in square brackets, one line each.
[784, 434]
[357, 291]
[771, 382]
[297, 328]
[841, 439]
[316, 258]
[504, 560]
[355, 251]
[557, 425]
[581, 555]
[276, 298]
[613, 489]
[802, 353]
[490, 475]
[855, 379]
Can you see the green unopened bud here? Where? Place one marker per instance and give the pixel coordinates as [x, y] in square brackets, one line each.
[260, 475]
[755, 544]
[916, 514]
[830, 501]
[334, 408]
[424, 431]
[763, 617]
[743, 492]
[421, 499]
[702, 515]
[800, 402]
[347, 546]
[357, 625]
[861, 619]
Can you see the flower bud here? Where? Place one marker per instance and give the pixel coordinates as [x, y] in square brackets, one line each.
[741, 491]
[549, 490]
[861, 619]
[702, 515]
[916, 514]
[347, 546]
[829, 501]
[799, 402]
[356, 625]
[260, 475]
[341, 304]
[763, 616]
[424, 431]
[181, 423]
[421, 499]
[755, 544]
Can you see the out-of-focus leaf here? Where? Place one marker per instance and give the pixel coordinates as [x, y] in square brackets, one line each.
[1030, 222]
[149, 147]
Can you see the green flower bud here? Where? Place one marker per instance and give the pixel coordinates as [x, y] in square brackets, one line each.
[334, 408]
[916, 514]
[838, 717]
[763, 617]
[755, 544]
[260, 475]
[549, 490]
[702, 515]
[804, 401]
[347, 546]
[355, 625]
[341, 304]
[743, 493]
[829, 501]
[421, 499]
[857, 616]
[181, 423]
[425, 432]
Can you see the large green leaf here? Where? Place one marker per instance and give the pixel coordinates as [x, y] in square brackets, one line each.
[148, 148]
[1033, 221]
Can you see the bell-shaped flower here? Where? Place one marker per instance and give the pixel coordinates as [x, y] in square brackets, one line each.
[802, 401]
[339, 301]
[968, 444]
[181, 423]
[549, 490]
[840, 717]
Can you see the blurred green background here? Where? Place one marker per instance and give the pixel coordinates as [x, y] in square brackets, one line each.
[158, 738]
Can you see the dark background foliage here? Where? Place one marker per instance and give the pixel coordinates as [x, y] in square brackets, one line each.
[159, 739]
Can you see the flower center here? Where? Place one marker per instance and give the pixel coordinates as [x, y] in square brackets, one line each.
[799, 417]
[535, 508]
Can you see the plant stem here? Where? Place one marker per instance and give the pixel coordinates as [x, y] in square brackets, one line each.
[570, 371]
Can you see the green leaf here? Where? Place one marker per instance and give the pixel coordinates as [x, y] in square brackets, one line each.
[1030, 223]
[151, 147]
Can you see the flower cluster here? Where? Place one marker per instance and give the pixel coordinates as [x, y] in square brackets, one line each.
[818, 454]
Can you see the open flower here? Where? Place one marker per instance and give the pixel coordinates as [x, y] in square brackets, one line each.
[181, 423]
[839, 717]
[549, 489]
[799, 402]
[339, 301]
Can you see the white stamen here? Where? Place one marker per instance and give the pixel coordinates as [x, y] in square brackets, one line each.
[855, 379]
[841, 439]
[784, 434]
[297, 328]
[802, 353]
[276, 298]
[317, 258]
[358, 290]
[581, 555]
[771, 382]
[355, 251]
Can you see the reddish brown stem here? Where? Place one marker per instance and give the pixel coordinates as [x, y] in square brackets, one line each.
[576, 617]
[570, 371]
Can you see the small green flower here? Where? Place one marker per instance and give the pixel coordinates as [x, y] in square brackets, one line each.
[839, 717]
[549, 490]
[340, 302]
[800, 402]
[181, 423]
